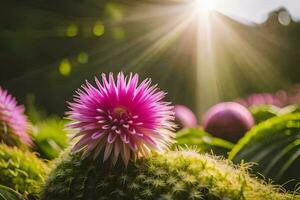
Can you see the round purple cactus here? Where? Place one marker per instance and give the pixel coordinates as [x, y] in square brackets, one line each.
[184, 117]
[228, 120]
[13, 123]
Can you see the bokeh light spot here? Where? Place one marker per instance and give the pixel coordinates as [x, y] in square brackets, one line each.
[72, 30]
[65, 67]
[98, 29]
[118, 33]
[83, 58]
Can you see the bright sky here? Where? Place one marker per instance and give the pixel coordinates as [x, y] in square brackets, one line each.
[257, 10]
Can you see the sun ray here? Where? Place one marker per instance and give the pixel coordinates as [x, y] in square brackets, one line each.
[219, 58]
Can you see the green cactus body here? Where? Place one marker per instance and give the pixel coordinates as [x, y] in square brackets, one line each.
[21, 171]
[263, 112]
[175, 175]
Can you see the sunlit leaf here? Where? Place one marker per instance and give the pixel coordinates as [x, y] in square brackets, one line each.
[289, 109]
[263, 112]
[205, 142]
[9, 194]
[275, 146]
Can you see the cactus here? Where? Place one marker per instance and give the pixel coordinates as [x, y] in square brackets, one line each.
[21, 171]
[180, 174]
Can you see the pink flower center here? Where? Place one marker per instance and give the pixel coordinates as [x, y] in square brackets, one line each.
[119, 123]
[120, 110]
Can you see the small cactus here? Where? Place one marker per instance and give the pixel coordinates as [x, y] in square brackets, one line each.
[21, 171]
[172, 175]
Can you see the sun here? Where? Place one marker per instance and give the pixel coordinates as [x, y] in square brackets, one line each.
[205, 5]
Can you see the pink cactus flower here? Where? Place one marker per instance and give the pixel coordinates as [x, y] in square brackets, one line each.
[13, 123]
[121, 118]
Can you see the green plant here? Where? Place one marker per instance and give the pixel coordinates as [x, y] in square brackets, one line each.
[21, 171]
[205, 142]
[171, 175]
[275, 146]
[50, 137]
[294, 108]
[263, 112]
[7, 193]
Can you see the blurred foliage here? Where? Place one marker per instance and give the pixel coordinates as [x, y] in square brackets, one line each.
[22, 171]
[289, 109]
[49, 134]
[34, 113]
[203, 141]
[263, 112]
[50, 137]
[9, 194]
[275, 146]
